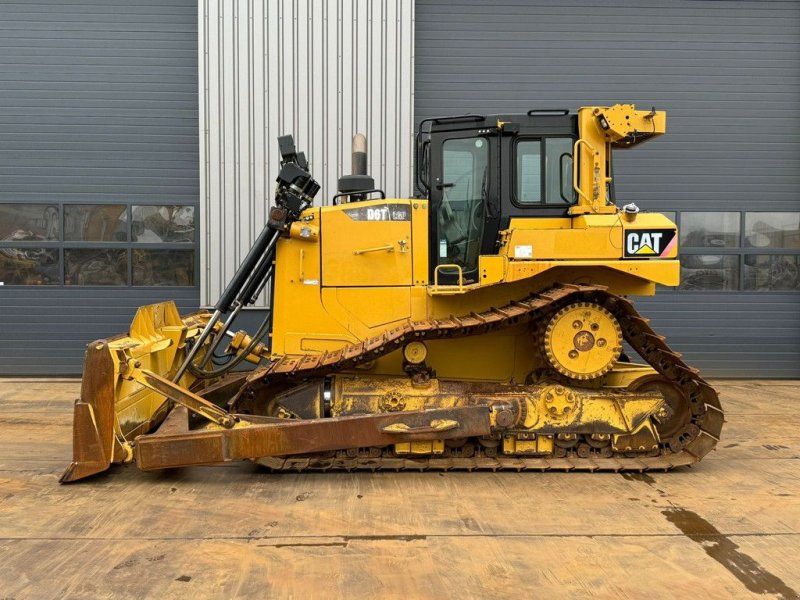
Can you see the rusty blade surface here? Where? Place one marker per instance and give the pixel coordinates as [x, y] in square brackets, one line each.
[270, 437]
[93, 444]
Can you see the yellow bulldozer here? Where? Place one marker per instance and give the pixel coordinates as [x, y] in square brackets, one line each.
[483, 324]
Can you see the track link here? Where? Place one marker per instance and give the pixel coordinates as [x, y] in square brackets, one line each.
[685, 448]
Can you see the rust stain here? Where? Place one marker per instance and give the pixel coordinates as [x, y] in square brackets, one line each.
[723, 550]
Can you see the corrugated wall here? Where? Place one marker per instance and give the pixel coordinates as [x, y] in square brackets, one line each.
[319, 70]
[98, 103]
[728, 74]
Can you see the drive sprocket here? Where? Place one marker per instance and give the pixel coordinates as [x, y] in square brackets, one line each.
[582, 341]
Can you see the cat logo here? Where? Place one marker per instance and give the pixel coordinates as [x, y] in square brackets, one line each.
[643, 243]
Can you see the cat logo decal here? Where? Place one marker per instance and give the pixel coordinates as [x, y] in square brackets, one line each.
[644, 243]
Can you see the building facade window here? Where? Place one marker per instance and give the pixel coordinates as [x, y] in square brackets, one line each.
[109, 244]
[739, 251]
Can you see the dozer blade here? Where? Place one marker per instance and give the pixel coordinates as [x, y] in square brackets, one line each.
[93, 444]
[114, 408]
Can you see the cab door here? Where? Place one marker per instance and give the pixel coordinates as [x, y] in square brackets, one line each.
[367, 244]
[464, 207]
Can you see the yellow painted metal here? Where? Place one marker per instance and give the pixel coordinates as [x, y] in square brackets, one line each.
[447, 289]
[433, 447]
[415, 352]
[549, 409]
[562, 408]
[601, 128]
[623, 375]
[594, 241]
[304, 231]
[368, 247]
[625, 277]
[435, 425]
[544, 444]
[173, 391]
[527, 443]
[496, 356]
[156, 335]
[582, 144]
[492, 269]
[240, 341]
[153, 343]
[312, 316]
[582, 341]
[419, 241]
[540, 223]
[300, 314]
[587, 236]
[366, 310]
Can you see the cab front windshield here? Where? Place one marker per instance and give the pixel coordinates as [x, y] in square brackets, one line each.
[465, 180]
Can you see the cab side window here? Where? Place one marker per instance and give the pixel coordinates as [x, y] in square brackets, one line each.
[544, 172]
[529, 172]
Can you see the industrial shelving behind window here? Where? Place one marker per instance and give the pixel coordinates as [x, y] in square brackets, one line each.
[110, 244]
[739, 251]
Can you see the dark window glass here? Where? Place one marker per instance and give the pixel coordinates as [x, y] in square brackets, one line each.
[710, 229]
[163, 267]
[153, 224]
[96, 222]
[29, 222]
[709, 272]
[771, 272]
[558, 171]
[772, 230]
[557, 184]
[96, 267]
[29, 266]
[465, 177]
[529, 172]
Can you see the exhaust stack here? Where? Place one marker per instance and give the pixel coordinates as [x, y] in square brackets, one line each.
[357, 185]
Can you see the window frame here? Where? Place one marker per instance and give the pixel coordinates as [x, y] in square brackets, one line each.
[473, 135]
[128, 246]
[741, 251]
[542, 139]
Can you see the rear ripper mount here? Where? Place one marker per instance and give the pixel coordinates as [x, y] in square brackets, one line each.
[369, 441]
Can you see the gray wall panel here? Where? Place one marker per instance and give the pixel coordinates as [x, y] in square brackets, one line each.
[728, 74]
[46, 332]
[98, 102]
[730, 334]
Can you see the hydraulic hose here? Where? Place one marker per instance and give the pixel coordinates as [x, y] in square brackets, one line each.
[210, 374]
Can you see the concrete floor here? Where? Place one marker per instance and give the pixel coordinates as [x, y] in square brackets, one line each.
[728, 528]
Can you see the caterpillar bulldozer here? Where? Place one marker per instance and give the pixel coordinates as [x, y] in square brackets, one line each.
[482, 324]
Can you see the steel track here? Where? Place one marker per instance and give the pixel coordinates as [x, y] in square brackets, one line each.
[696, 439]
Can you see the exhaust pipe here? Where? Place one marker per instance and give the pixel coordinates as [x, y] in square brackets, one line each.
[359, 166]
[354, 188]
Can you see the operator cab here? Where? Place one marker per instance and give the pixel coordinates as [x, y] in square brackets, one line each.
[479, 172]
